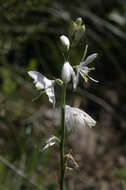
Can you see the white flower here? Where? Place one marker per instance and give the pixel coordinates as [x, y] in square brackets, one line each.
[67, 73]
[65, 41]
[83, 69]
[43, 83]
[76, 118]
[50, 142]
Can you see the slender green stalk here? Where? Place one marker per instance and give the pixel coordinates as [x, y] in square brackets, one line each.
[63, 102]
[62, 169]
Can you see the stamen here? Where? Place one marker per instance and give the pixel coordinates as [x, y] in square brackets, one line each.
[93, 79]
[91, 69]
[86, 78]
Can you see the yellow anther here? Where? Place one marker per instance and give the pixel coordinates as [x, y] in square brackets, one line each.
[86, 79]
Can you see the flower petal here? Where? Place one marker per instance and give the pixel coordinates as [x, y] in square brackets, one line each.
[51, 95]
[85, 53]
[50, 142]
[77, 79]
[73, 76]
[65, 41]
[66, 72]
[76, 118]
[43, 83]
[90, 58]
[40, 80]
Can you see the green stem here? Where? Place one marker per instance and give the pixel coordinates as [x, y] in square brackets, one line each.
[63, 98]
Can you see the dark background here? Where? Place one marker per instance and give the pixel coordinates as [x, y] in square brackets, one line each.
[29, 40]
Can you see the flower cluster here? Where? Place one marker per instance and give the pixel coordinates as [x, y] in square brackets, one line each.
[74, 117]
[82, 69]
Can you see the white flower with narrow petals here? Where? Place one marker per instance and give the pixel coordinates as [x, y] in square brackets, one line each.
[65, 41]
[67, 73]
[43, 83]
[83, 69]
[76, 118]
[50, 142]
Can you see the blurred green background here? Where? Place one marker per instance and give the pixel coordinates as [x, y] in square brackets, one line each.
[29, 40]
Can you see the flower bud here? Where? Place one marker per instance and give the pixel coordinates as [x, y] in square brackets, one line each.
[65, 42]
[66, 72]
[79, 21]
[78, 35]
[74, 26]
[77, 30]
[83, 28]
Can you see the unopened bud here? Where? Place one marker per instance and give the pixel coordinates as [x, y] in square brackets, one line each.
[74, 26]
[79, 21]
[78, 35]
[66, 72]
[77, 30]
[83, 28]
[80, 32]
[65, 42]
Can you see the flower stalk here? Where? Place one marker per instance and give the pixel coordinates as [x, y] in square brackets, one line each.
[71, 118]
[62, 160]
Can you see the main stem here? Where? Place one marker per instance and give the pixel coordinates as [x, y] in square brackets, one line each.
[62, 166]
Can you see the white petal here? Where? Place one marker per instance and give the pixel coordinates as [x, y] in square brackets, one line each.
[90, 122]
[90, 58]
[65, 41]
[51, 95]
[73, 77]
[33, 75]
[51, 142]
[43, 83]
[76, 118]
[66, 72]
[39, 85]
[77, 79]
[85, 53]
